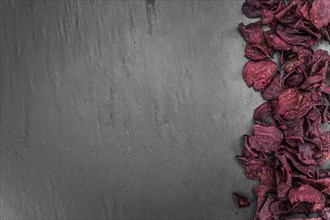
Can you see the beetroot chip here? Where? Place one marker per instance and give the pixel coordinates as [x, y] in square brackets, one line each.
[306, 153]
[259, 73]
[252, 8]
[295, 37]
[320, 13]
[307, 193]
[265, 138]
[263, 115]
[276, 42]
[268, 14]
[317, 218]
[256, 51]
[253, 168]
[289, 15]
[274, 89]
[265, 212]
[240, 201]
[261, 191]
[294, 133]
[325, 32]
[326, 212]
[290, 141]
[252, 33]
[282, 190]
[293, 104]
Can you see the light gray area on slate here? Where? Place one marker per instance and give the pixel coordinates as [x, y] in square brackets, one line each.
[123, 110]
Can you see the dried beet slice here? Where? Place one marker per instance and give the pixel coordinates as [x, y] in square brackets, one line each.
[276, 42]
[319, 183]
[326, 213]
[317, 218]
[274, 89]
[286, 169]
[294, 104]
[324, 173]
[256, 48]
[289, 15]
[252, 8]
[256, 51]
[288, 141]
[265, 138]
[320, 13]
[265, 212]
[312, 82]
[282, 190]
[253, 168]
[263, 115]
[306, 153]
[279, 207]
[325, 32]
[268, 14]
[294, 132]
[304, 9]
[307, 193]
[259, 73]
[260, 191]
[252, 33]
[248, 152]
[302, 207]
[308, 28]
[308, 171]
[295, 37]
[240, 200]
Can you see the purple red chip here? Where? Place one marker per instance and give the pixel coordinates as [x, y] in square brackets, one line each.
[289, 145]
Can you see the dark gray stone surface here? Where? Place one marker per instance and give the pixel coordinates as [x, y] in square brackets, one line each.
[123, 110]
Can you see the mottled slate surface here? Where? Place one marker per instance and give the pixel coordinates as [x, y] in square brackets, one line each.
[123, 110]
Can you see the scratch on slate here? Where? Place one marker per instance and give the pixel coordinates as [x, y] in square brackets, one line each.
[105, 207]
[110, 107]
[131, 17]
[26, 128]
[151, 12]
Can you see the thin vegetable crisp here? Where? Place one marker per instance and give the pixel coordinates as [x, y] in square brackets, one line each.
[290, 146]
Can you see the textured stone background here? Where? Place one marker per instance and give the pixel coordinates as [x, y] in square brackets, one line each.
[123, 110]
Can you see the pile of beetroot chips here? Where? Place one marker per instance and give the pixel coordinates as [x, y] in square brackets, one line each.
[289, 145]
